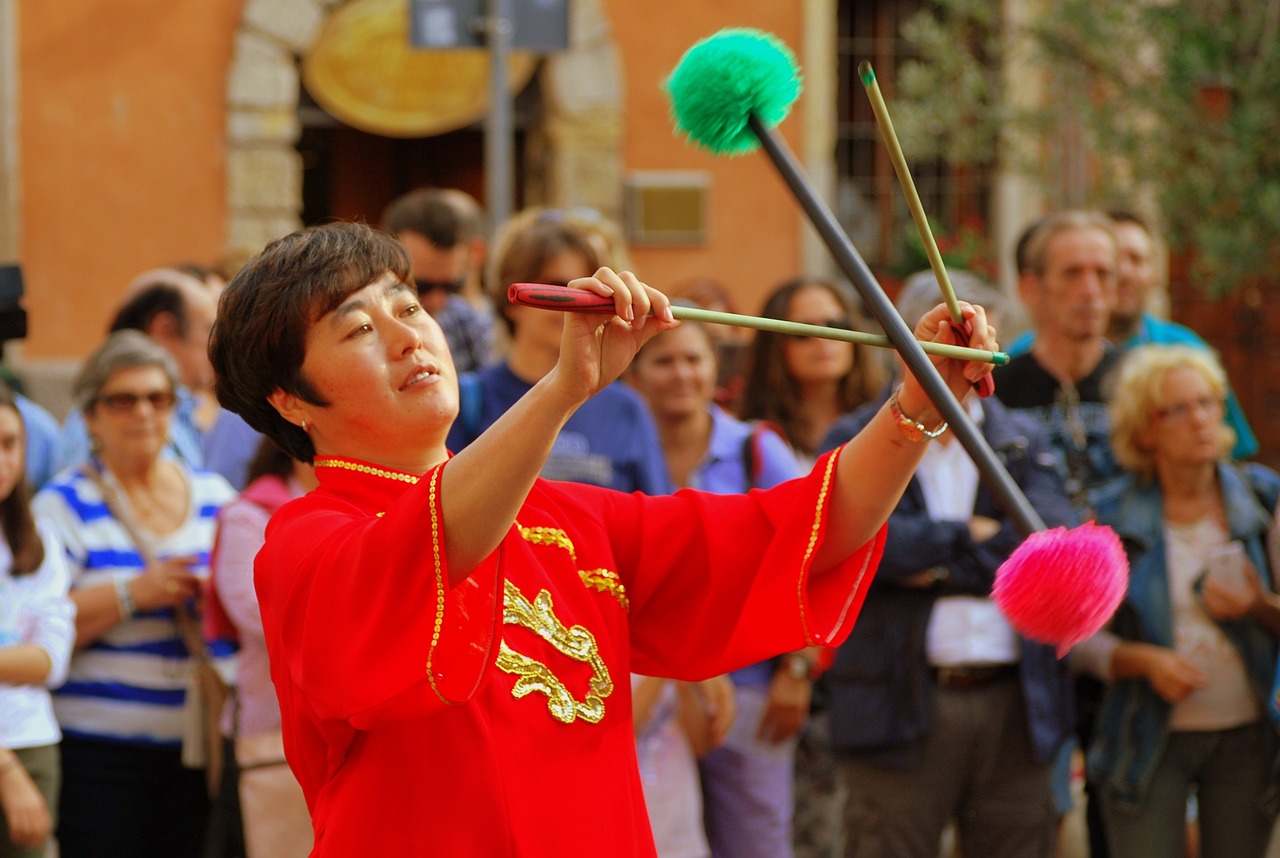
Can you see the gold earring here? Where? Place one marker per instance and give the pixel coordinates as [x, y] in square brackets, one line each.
[304, 424]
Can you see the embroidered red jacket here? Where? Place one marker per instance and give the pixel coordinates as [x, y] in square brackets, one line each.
[494, 718]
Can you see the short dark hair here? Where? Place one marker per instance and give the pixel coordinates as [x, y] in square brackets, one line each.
[139, 311]
[443, 216]
[1122, 215]
[259, 338]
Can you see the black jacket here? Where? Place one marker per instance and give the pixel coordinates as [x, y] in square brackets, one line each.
[881, 686]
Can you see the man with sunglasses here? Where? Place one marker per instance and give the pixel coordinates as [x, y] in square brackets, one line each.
[443, 231]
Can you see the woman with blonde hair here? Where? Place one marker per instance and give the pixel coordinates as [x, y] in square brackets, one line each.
[1194, 653]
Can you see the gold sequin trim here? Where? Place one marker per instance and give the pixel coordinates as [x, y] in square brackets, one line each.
[575, 642]
[813, 542]
[439, 569]
[606, 581]
[344, 465]
[548, 536]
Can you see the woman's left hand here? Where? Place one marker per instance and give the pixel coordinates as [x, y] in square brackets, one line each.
[959, 375]
[595, 349]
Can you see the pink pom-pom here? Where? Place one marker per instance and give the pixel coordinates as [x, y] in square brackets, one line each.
[1060, 586]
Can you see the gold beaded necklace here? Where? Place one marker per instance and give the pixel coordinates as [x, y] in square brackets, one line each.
[343, 464]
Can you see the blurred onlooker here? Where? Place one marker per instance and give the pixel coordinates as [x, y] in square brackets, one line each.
[673, 730]
[41, 437]
[747, 784]
[1131, 321]
[803, 385]
[611, 440]
[176, 311]
[137, 527]
[443, 232]
[1069, 288]
[37, 627]
[939, 709]
[731, 342]
[276, 821]
[1196, 657]
[1068, 268]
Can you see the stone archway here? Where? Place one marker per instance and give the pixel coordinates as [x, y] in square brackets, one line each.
[579, 142]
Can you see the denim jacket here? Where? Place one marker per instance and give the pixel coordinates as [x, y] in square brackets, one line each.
[881, 687]
[1133, 722]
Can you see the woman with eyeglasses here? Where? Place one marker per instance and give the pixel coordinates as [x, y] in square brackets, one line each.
[1193, 655]
[136, 527]
[802, 385]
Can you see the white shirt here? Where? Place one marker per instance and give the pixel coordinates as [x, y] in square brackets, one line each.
[34, 609]
[1227, 699]
[962, 629]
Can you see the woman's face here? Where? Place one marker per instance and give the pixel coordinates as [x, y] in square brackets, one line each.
[129, 417]
[13, 450]
[382, 364]
[1186, 428]
[543, 327]
[811, 360]
[676, 372]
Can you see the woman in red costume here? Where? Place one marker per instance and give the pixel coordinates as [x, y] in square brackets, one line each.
[450, 637]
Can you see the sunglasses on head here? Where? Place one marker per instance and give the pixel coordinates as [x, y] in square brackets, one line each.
[452, 287]
[841, 323]
[124, 403]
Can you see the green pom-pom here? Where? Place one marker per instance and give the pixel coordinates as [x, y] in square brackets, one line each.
[722, 80]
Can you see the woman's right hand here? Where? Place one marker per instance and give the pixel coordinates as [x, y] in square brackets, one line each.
[25, 812]
[165, 583]
[596, 348]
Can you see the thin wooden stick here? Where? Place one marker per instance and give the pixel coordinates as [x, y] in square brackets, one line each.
[890, 137]
[571, 299]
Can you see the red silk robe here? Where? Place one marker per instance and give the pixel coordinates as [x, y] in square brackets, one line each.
[494, 718]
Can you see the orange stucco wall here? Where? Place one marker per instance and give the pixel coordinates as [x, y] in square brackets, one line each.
[121, 141]
[121, 147]
[754, 222]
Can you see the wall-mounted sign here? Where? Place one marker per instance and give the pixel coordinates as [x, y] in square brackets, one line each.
[541, 26]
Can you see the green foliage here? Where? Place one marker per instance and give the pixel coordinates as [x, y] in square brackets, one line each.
[1178, 98]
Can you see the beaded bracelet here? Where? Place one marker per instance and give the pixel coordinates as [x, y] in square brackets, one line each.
[124, 599]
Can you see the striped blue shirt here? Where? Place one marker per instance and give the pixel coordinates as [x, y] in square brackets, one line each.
[129, 685]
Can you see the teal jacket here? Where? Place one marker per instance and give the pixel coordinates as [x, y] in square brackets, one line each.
[1132, 727]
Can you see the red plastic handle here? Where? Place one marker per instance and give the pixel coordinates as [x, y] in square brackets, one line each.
[985, 385]
[567, 298]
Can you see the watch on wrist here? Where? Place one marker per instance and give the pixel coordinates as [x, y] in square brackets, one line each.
[913, 430]
[798, 666]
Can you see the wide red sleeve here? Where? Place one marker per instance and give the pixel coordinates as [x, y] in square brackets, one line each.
[721, 581]
[358, 607]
